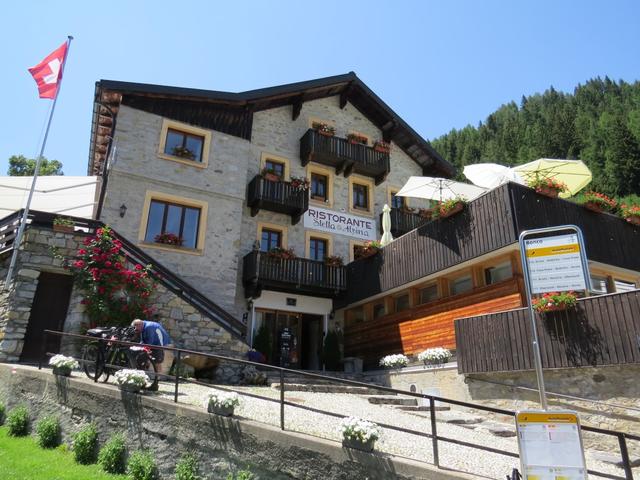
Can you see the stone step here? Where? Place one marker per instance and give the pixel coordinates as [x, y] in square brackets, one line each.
[613, 459]
[323, 388]
[422, 408]
[498, 429]
[392, 400]
[455, 417]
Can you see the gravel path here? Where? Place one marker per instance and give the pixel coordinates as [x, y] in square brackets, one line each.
[457, 457]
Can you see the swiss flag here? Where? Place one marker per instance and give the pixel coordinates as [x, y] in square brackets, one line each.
[48, 72]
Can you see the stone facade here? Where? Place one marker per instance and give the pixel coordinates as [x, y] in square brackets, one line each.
[216, 270]
[188, 328]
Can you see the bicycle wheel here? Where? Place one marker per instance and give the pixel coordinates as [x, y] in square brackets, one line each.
[92, 359]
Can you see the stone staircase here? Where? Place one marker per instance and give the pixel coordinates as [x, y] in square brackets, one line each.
[301, 383]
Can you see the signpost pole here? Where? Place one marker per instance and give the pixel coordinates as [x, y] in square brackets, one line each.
[584, 267]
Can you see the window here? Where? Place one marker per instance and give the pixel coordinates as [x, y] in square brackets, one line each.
[397, 202]
[172, 224]
[498, 273]
[623, 286]
[275, 167]
[428, 294]
[599, 284]
[270, 239]
[355, 315]
[461, 284]
[317, 248]
[402, 302]
[379, 310]
[184, 145]
[319, 189]
[360, 197]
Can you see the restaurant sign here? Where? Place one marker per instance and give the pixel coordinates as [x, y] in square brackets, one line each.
[340, 223]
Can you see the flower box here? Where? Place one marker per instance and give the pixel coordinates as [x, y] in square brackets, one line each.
[598, 202]
[333, 261]
[555, 302]
[64, 228]
[359, 445]
[356, 139]
[272, 177]
[219, 410]
[129, 387]
[434, 356]
[131, 380]
[221, 403]
[394, 361]
[634, 219]
[457, 208]
[631, 213]
[281, 253]
[169, 239]
[382, 147]
[548, 192]
[62, 365]
[549, 187]
[324, 129]
[593, 206]
[62, 371]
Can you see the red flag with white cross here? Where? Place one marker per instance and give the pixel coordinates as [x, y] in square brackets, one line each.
[48, 72]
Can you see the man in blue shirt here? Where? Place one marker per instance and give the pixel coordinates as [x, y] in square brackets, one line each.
[152, 333]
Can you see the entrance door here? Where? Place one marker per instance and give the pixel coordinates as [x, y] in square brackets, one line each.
[48, 312]
[311, 342]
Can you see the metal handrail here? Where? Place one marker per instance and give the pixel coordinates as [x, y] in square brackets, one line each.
[621, 436]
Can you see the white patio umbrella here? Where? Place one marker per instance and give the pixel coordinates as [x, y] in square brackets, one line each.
[491, 175]
[435, 188]
[387, 238]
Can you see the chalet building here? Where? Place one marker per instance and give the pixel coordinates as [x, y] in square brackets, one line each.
[208, 183]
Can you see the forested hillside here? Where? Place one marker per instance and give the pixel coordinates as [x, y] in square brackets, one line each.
[599, 124]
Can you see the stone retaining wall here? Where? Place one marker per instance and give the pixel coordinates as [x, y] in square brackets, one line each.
[188, 328]
[221, 444]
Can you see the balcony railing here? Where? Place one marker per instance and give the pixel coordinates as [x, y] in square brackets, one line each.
[296, 275]
[403, 221]
[277, 196]
[344, 156]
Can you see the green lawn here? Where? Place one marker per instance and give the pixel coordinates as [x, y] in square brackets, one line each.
[22, 459]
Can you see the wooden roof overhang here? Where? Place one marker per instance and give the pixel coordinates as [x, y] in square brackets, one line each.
[232, 113]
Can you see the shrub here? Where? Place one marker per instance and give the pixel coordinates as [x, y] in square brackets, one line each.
[142, 466]
[85, 445]
[18, 422]
[2, 413]
[48, 431]
[113, 455]
[187, 468]
[241, 475]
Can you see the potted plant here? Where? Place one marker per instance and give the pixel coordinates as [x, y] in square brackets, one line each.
[450, 207]
[324, 129]
[549, 187]
[631, 213]
[183, 152]
[221, 403]
[555, 301]
[359, 434]
[281, 253]
[168, 239]
[132, 380]
[300, 183]
[395, 361]
[270, 174]
[382, 146]
[63, 224]
[333, 261]
[435, 356]
[598, 202]
[357, 139]
[370, 248]
[62, 365]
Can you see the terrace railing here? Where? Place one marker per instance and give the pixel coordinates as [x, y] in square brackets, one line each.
[278, 196]
[403, 221]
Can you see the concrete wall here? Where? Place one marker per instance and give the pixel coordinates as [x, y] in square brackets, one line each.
[221, 444]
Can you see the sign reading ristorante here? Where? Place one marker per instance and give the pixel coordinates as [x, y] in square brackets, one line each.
[340, 223]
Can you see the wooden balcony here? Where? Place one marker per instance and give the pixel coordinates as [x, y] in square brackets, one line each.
[344, 156]
[403, 222]
[278, 197]
[297, 275]
[602, 330]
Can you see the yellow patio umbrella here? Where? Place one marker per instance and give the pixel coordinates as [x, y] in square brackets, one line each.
[573, 173]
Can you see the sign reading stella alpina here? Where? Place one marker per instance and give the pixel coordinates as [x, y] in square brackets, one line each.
[340, 223]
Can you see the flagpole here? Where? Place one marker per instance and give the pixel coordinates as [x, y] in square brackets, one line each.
[25, 214]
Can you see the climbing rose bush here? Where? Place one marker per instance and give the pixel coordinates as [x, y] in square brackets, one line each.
[115, 291]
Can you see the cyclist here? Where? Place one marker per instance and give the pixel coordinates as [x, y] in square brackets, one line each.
[152, 333]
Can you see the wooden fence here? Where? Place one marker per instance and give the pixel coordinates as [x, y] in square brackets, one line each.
[602, 330]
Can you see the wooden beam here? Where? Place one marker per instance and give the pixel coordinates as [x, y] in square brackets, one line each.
[344, 97]
[388, 129]
[296, 107]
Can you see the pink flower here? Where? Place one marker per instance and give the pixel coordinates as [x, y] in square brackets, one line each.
[79, 264]
[82, 251]
[107, 263]
[138, 267]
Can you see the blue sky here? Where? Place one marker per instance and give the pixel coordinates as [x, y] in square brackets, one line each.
[440, 65]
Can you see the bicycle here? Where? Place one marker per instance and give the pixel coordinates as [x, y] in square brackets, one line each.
[106, 357]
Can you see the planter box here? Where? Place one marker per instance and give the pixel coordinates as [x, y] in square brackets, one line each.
[633, 219]
[593, 206]
[222, 411]
[64, 228]
[457, 209]
[272, 177]
[127, 387]
[325, 134]
[358, 445]
[62, 371]
[548, 192]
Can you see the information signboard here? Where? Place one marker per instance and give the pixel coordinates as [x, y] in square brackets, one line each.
[550, 444]
[555, 264]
